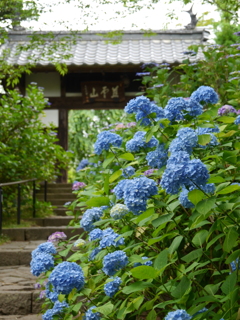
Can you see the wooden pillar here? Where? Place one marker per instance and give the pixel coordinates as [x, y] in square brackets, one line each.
[63, 139]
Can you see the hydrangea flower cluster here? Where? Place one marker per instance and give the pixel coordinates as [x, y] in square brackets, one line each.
[146, 263]
[57, 236]
[181, 171]
[118, 211]
[109, 239]
[40, 263]
[183, 197]
[78, 185]
[95, 234]
[237, 121]
[186, 140]
[66, 276]
[235, 265]
[112, 287]
[82, 164]
[143, 107]
[158, 157]
[90, 315]
[149, 172]
[89, 217]
[174, 108]
[79, 243]
[128, 172]
[205, 94]
[179, 314]
[114, 262]
[56, 310]
[226, 109]
[193, 108]
[138, 142]
[136, 192]
[105, 140]
[46, 247]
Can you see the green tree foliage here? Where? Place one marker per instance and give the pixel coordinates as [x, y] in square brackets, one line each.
[28, 147]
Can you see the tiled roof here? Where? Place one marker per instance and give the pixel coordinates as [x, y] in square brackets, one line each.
[92, 48]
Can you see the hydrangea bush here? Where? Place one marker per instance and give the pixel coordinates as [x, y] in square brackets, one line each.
[159, 240]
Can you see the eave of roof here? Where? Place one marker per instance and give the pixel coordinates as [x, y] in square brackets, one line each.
[95, 48]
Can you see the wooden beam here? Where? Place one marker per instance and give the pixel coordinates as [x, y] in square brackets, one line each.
[77, 104]
[63, 139]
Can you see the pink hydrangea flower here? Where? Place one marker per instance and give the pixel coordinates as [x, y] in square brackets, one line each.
[78, 185]
[56, 236]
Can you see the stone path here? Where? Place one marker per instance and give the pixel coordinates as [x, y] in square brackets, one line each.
[18, 297]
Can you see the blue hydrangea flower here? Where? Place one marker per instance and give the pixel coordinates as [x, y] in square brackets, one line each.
[237, 121]
[120, 187]
[193, 108]
[201, 130]
[140, 103]
[178, 157]
[109, 239]
[196, 173]
[235, 265]
[138, 142]
[112, 287]
[104, 141]
[82, 164]
[56, 310]
[114, 262]
[174, 176]
[90, 315]
[179, 314]
[89, 217]
[188, 137]
[183, 199]
[59, 306]
[157, 158]
[128, 172]
[46, 247]
[200, 311]
[95, 234]
[174, 108]
[53, 296]
[118, 211]
[205, 94]
[185, 141]
[94, 253]
[147, 263]
[213, 141]
[136, 193]
[66, 276]
[40, 263]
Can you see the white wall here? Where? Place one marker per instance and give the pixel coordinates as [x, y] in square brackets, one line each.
[51, 116]
[50, 81]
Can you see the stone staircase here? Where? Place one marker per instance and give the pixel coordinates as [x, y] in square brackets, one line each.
[18, 298]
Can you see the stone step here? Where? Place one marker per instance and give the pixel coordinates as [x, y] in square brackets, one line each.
[59, 202]
[17, 253]
[55, 190]
[57, 195]
[22, 317]
[52, 221]
[39, 233]
[17, 293]
[58, 185]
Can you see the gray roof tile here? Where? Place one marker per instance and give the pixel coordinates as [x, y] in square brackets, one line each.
[92, 49]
